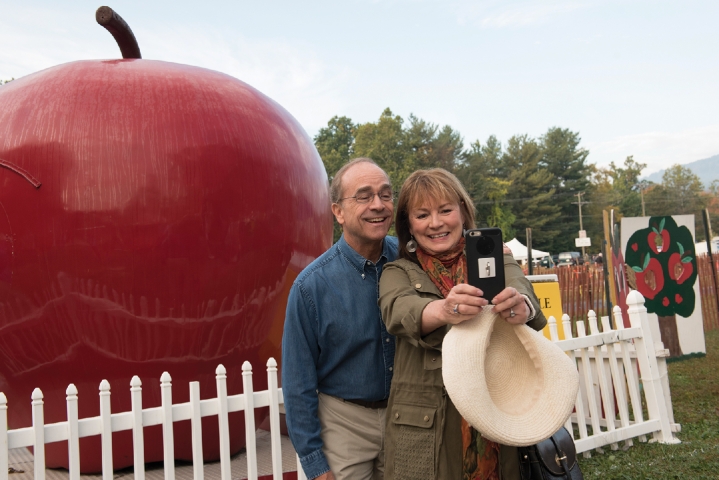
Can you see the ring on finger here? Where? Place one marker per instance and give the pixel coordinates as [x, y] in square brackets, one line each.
[455, 310]
[511, 313]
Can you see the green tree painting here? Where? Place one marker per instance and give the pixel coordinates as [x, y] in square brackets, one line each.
[664, 263]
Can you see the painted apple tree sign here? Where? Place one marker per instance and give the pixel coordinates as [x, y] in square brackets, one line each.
[153, 217]
[663, 261]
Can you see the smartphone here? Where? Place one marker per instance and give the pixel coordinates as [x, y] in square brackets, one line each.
[485, 260]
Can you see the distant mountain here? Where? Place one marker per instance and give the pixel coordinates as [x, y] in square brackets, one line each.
[707, 170]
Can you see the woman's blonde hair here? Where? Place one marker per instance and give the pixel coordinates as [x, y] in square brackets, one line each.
[435, 184]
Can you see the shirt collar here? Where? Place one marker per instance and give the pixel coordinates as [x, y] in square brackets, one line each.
[357, 260]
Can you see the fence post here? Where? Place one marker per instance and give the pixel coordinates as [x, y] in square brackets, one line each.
[138, 433]
[648, 368]
[250, 440]
[617, 379]
[168, 441]
[606, 395]
[274, 419]
[73, 436]
[224, 424]
[553, 333]
[106, 430]
[3, 438]
[589, 384]
[631, 372]
[196, 420]
[38, 425]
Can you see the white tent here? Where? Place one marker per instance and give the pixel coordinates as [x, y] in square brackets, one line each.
[701, 247]
[519, 251]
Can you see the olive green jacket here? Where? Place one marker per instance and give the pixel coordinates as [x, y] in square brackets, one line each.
[424, 438]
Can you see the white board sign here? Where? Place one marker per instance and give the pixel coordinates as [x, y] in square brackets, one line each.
[583, 242]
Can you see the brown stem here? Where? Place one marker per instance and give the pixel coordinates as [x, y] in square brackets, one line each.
[119, 29]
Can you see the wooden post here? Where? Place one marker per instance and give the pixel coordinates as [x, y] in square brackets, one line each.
[138, 435]
[274, 395]
[250, 440]
[73, 437]
[168, 438]
[38, 427]
[197, 460]
[224, 422]
[106, 430]
[529, 251]
[648, 368]
[708, 234]
[3, 438]
[609, 259]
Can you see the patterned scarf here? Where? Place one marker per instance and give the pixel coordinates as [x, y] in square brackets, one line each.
[480, 457]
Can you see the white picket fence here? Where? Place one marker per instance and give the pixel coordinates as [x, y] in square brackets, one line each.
[618, 368]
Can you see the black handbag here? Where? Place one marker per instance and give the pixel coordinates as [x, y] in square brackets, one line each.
[553, 458]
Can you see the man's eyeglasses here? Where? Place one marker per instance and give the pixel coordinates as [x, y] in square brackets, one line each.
[366, 197]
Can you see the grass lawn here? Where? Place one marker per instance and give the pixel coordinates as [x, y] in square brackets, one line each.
[695, 397]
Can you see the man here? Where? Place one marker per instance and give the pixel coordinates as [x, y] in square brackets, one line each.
[337, 357]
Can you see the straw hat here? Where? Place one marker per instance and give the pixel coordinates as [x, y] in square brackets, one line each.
[508, 381]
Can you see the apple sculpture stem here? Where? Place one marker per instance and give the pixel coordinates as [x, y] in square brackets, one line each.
[119, 29]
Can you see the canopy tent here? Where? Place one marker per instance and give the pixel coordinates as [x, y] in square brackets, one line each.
[519, 251]
[701, 247]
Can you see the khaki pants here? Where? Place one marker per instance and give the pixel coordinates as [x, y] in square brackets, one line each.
[353, 438]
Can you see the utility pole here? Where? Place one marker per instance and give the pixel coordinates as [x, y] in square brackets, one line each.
[643, 186]
[581, 227]
[643, 211]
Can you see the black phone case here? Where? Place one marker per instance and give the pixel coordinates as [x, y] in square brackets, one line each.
[485, 260]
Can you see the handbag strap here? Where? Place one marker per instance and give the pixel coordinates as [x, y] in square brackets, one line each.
[562, 457]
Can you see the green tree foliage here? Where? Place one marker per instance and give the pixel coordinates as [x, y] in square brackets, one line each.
[566, 161]
[480, 174]
[530, 183]
[532, 195]
[623, 186]
[433, 147]
[335, 143]
[679, 193]
[386, 143]
[616, 188]
[398, 146]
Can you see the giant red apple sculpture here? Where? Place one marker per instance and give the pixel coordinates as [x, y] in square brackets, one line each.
[152, 218]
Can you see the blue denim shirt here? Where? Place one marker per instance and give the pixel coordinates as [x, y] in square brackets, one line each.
[334, 342]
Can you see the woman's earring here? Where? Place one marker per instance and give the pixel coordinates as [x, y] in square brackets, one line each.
[411, 245]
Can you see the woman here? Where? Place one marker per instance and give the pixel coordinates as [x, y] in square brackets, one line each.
[421, 295]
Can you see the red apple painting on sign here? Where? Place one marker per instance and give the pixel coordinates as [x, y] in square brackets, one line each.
[663, 261]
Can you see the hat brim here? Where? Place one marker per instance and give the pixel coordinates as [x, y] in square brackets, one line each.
[509, 382]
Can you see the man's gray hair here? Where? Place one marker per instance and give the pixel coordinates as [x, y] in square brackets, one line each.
[336, 185]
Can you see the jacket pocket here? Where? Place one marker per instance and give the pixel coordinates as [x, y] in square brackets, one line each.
[415, 446]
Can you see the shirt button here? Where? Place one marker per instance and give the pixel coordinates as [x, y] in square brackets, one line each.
[418, 285]
[434, 359]
[363, 275]
[386, 340]
[391, 368]
[396, 415]
[426, 418]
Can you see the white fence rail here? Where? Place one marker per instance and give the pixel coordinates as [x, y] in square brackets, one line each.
[619, 371]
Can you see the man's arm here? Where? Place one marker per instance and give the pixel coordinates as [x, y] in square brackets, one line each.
[300, 355]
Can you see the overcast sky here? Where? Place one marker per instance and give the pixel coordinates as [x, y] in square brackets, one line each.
[633, 77]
